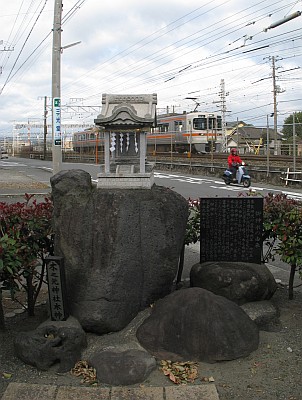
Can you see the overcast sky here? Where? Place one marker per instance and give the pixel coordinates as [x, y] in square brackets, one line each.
[175, 48]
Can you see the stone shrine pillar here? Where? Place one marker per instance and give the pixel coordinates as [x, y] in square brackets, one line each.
[125, 121]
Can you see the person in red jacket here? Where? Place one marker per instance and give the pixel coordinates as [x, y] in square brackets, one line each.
[233, 161]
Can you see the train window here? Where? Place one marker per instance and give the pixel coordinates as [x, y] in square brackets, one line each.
[200, 123]
[219, 122]
[178, 126]
[163, 127]
[212, 123]
[215, 123]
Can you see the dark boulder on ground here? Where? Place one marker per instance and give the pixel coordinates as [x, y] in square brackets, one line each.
[52, 342]
[264, 314]
[120, 246]
[128, 367]
[195, 324]
[237, 281]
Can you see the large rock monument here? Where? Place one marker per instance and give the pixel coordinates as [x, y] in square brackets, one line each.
[120, 239]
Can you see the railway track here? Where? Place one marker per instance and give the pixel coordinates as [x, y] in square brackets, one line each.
[221, 159]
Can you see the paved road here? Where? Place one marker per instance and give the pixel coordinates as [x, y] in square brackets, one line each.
[197, 186]
[192, 186]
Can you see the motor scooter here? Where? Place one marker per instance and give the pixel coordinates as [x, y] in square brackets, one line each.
[242, 176]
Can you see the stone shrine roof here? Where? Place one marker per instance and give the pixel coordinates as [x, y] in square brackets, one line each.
[122, 111]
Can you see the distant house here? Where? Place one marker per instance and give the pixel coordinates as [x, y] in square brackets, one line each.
[249, 139]
[231, 125]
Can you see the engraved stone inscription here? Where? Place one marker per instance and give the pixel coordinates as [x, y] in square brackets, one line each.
[231, 229]
[56, 288]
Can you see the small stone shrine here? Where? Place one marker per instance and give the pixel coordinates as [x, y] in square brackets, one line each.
[125, 121]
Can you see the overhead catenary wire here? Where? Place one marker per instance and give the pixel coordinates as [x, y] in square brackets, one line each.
[115, 75]
[173, 44]
[153, 79]
[22, 48]
[68, 16]
[151, 58]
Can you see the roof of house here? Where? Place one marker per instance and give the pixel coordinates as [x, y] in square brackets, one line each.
[233, 124]
[254, 133]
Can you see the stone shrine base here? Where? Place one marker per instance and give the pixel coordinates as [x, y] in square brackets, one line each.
[125, 181]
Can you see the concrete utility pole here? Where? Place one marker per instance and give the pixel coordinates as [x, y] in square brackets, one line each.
[267, 147]
[275, 106]
[45, 128]
[294, 141]
[56, 89]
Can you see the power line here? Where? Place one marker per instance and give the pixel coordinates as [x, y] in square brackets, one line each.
[22, 48]
[185, 70]
[68, 16]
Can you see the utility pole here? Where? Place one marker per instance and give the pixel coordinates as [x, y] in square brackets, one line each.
[267, 147]
[223, 112]
[275, 106]
[276, 90]
[45, 128]
[56, 89]
[294, 142]
[44, 125]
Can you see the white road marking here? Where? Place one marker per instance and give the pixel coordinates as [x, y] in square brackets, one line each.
[221, 185]
[11, 164]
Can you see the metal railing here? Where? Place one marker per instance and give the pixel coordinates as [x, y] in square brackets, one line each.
[294, 175]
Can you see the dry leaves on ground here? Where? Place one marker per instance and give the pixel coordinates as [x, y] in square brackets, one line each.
[88, 374]
[180, 372]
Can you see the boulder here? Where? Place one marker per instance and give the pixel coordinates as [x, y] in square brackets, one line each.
[52, 342]
[195, 324]
[264, 314]
[237, 281]
[120, 246]
[128, 367]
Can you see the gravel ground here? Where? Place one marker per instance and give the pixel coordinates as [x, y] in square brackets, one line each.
[273, 372]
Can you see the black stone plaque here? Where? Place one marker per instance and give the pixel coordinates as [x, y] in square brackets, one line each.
[231, 229]
[56, 288]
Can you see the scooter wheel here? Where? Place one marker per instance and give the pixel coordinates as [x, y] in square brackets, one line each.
[246, 183]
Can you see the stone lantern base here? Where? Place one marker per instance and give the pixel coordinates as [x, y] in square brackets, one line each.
[126, 176]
